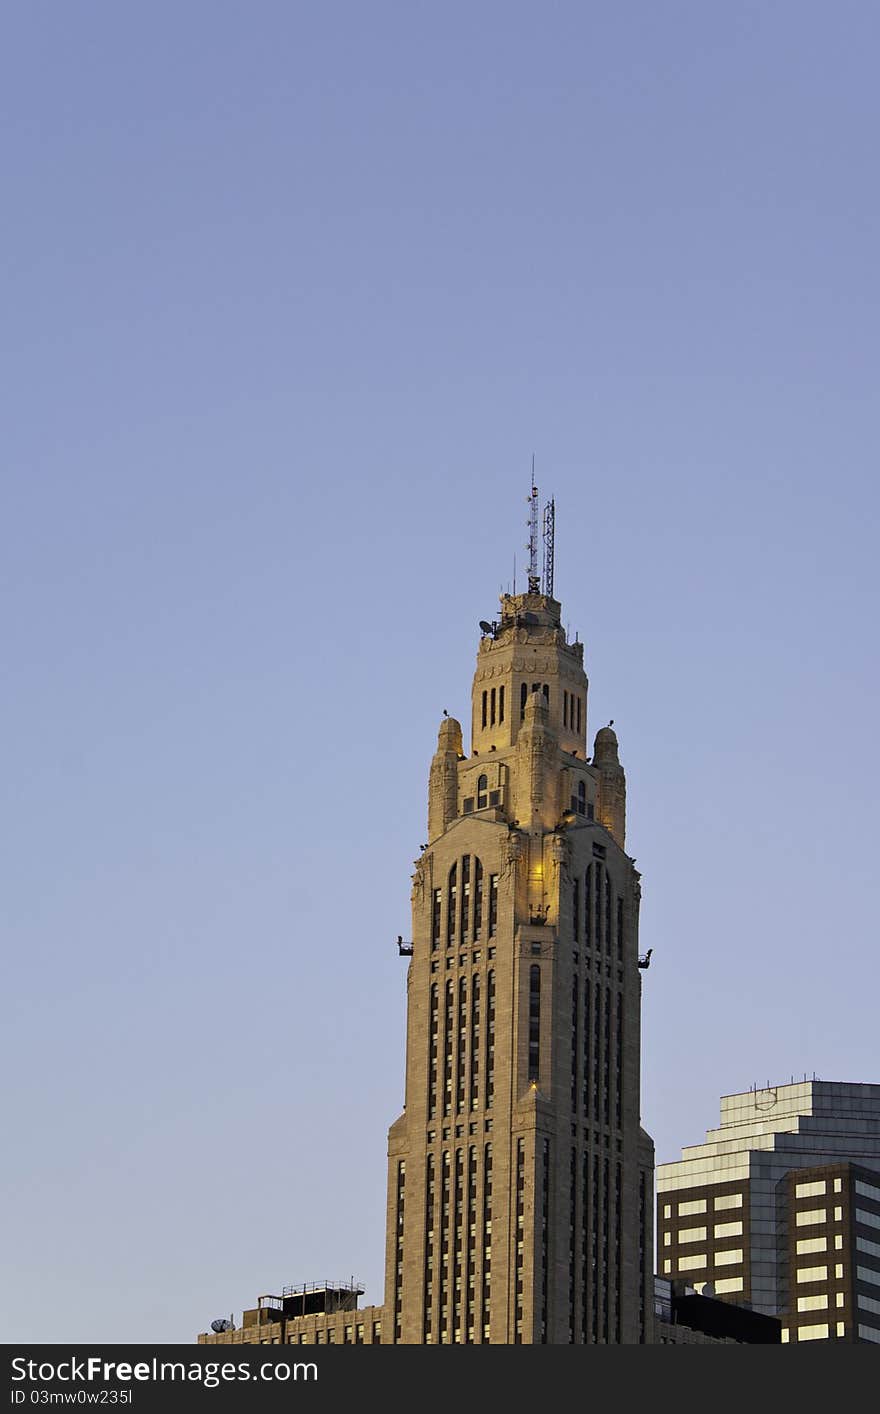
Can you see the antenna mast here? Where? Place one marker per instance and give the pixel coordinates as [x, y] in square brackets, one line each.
[534, 577]
[549, 535]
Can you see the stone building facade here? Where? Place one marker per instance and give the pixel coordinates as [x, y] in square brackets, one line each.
[520, 1183]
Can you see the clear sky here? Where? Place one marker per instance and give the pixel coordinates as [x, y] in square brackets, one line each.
[290, 294]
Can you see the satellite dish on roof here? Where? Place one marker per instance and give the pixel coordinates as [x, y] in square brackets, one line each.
[487, 627]
[218, 1327]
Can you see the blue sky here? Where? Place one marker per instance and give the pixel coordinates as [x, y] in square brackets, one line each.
[290, 295]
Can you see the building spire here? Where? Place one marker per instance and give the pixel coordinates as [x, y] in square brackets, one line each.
[538, 583]
[534, 577]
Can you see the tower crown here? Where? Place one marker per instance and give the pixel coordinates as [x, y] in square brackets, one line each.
[528, 652]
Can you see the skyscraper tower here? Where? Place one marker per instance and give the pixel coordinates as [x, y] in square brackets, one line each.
[519, 1180]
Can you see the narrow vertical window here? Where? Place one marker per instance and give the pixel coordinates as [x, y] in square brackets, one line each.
[534, 1021]
[486, 1291]
[578, 715]
[458, 1202]
[620, 929]
[475, 1042]
[608, 894]
[618, 1254]
[546, 691]
[565, 709]
[471, 1235]
[490, 1038]
[448, 1037]
[588, 906]
[585, 1052]
[492, 707]
[500, 705]
[432, 1063]
[451, 904]
[576, 910]
[436, 905]
[485, 697]
[461, 1076]
[493, 904]
[465, 897]
[520, 1236]
[606, 1109]
[575, 1052]
[606, 1242]
[478, 897]
[398, 1245]
[429, 1248]
[545, 1239]
[572, 1244]
[482, 792]
[523, 696]
[444, 1244]
[585, 1230]
[582, 798]
[619, 1063]
[597, 1053]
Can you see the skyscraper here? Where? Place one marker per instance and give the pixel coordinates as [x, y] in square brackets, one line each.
[520, 1184]
[780, 1209]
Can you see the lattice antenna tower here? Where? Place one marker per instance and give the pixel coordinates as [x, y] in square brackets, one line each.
[534, 577]
[549, 537]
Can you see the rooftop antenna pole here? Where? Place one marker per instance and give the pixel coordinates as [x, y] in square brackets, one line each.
[534, 577]
[549, 535]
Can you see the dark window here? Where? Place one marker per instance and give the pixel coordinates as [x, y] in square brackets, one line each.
[534, 1021]
[485, 695]
[435, 918]
[492, 707]
[500, 705]
[578, 700]
[465, 896]
[478, 897]
[482, 789]
[588, 906]
[523, 695]
[451, 900]
[490, 1037]
[469, 805]
[546, 691]
[493, 904]
[494, 797]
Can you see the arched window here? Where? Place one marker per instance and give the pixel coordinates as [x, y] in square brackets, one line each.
[465, 896]
[451, 902]
[478, 897]
[482, 792]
